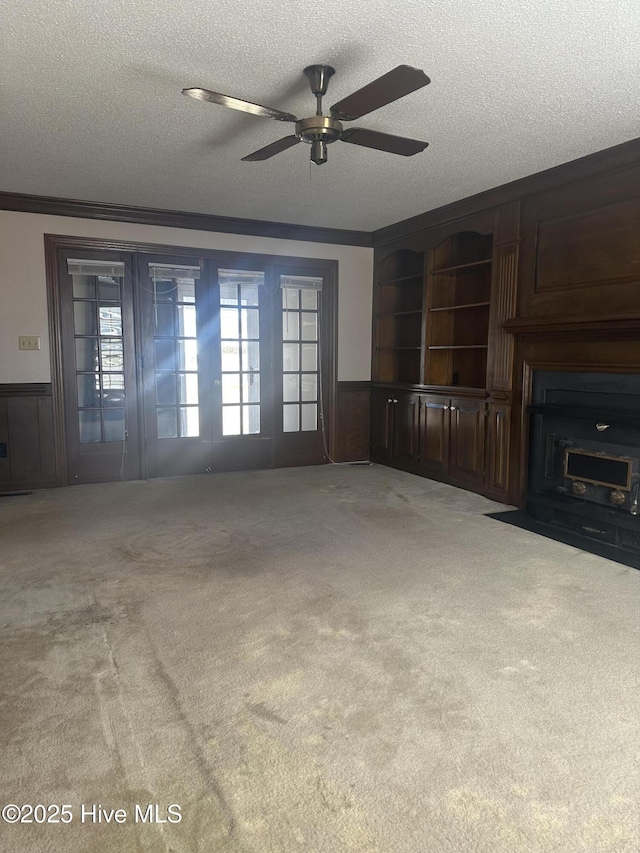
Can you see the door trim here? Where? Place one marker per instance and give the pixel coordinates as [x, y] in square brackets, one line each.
[54, 242]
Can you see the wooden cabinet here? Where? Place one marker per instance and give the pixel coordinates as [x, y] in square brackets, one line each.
[434, 435]
[430, 434]
[452, 439]
[395, 427]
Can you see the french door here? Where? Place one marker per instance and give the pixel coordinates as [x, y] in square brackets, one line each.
[176, 364]
[99, 366]
[301, 323]
[179, 364]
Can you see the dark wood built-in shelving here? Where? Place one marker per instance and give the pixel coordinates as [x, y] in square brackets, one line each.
[460, 346]
[401, 278]
[431, 345]
[458, 267]
[399, 318]
[460, 307]
[384, 349]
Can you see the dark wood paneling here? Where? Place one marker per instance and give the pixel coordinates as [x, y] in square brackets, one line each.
[5, 462]
[619, 157]
[593, 247]
[353, 413]
[47, 444]
[579, 251]
[26, 427]
[381, 425]
[180, 219]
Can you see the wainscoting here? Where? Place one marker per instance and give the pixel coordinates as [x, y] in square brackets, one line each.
[27, 454]
[27, 449]
[352, 421]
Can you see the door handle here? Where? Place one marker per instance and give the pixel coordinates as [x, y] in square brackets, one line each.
[217, 382]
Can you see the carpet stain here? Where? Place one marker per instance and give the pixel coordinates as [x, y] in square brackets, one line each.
[261, 710]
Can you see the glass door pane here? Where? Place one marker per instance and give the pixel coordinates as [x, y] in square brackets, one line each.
[175, 339]
[175, 324]
[99, 365]
[240, 369]
[300, 362]
[305, 329]
[96, 292]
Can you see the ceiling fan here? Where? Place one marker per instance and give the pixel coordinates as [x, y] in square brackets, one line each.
[320, 130]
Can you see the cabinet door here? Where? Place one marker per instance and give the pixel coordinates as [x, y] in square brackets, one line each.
[406, 428]
[434, 434]
[467, 451]
[381, 425]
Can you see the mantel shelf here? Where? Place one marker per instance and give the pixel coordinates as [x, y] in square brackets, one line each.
[612, 327]
[588, 413]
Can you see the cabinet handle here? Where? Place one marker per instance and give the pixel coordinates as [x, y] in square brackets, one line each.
[453, 408]
[389, 400]
[395, 401]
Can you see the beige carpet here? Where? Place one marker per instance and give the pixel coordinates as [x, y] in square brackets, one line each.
[324, 660]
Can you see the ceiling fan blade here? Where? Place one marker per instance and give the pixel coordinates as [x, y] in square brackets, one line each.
[272, 149]
[395, 84]
[383, 141]
[237, 104]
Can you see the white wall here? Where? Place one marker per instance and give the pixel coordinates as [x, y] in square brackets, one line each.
[23, 305]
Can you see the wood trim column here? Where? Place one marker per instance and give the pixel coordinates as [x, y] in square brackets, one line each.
[503, 297]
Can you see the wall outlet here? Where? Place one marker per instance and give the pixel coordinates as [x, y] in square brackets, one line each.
[29, 342]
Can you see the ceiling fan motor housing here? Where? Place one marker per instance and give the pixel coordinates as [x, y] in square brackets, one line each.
[319, 131]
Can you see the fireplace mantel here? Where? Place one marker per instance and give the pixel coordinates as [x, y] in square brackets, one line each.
[609, 327]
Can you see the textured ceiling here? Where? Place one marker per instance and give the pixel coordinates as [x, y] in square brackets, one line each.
[92, 105]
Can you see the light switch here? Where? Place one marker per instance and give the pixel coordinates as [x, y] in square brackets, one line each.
[28, 342]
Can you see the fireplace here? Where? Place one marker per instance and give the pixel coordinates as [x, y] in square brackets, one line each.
[584, 457]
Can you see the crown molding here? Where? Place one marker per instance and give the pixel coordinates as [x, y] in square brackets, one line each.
[180, 219]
